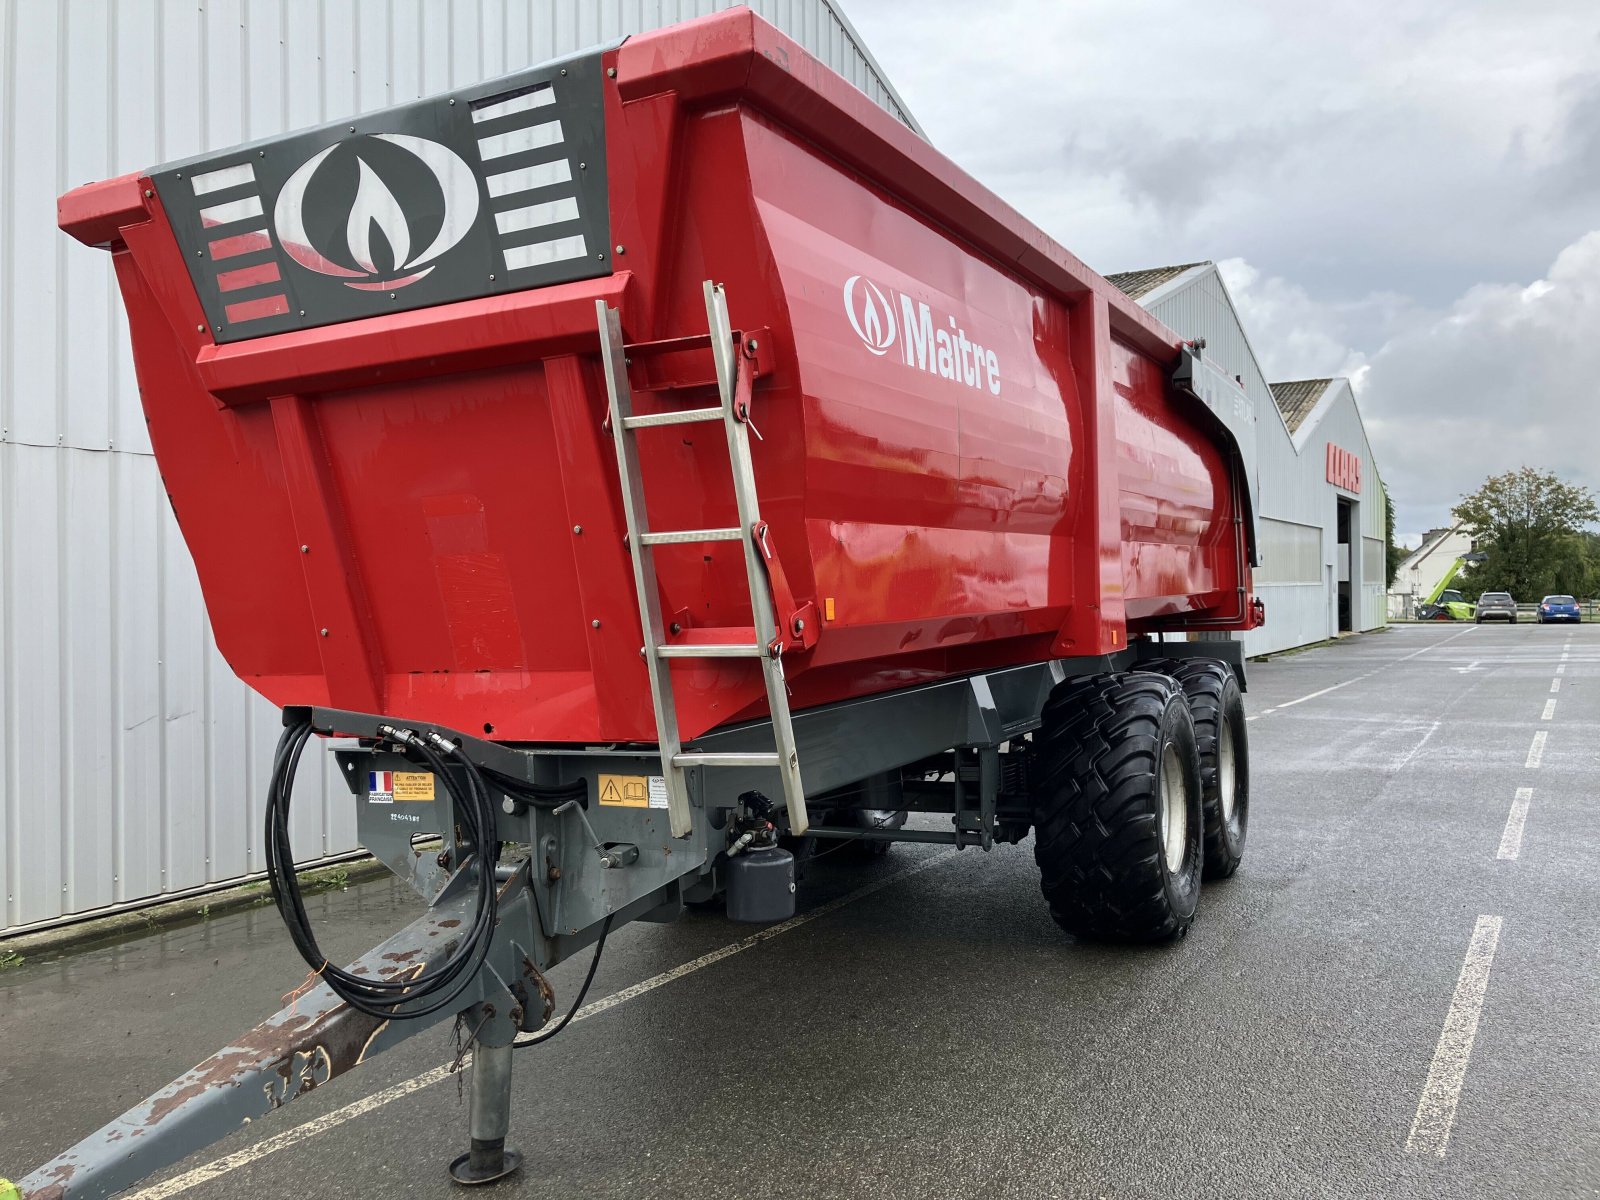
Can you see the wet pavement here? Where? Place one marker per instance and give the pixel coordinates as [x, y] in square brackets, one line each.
[938, 1036]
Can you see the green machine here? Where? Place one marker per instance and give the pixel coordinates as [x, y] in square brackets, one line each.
[1445, 603]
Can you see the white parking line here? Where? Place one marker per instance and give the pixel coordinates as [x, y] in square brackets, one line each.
[1436, 1110]
[1536, 750]
[1314, 695]
[1435, 646]
[339, 1116]
[1417, 749]
[1549, 710]
[1511, 839]
[1358, 678]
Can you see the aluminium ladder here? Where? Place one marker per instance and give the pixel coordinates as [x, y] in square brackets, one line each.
[734, 371]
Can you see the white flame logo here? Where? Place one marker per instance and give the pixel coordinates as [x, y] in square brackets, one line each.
[377, 209]
[870, 314]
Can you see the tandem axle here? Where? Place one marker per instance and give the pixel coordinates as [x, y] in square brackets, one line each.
[572, 866]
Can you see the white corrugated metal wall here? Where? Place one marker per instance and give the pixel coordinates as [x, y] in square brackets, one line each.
[1336, 419]
[132, 762]
[1293, 492]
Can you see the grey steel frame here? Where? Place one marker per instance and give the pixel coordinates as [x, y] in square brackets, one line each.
[553, 901]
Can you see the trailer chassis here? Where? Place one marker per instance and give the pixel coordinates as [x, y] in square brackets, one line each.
[955, 746]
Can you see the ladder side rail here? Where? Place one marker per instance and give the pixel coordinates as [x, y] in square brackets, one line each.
[614, 360]
[731, 363]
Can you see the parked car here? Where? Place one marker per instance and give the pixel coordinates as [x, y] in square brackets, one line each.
[1496, 606]
[1559, 608]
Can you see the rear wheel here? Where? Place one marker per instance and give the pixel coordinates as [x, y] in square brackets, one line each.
[1118, 822]
[1220, 738]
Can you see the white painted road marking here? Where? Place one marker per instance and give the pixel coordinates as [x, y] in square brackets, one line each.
[1314, 695]
[1436, 1110]
[1357, 679]
[1562, 669]
[1511, 839]
[1536, 751]
[1417, 749]
[179, 1184]
[1435, 646]
[1555, 685]
[1549, 710]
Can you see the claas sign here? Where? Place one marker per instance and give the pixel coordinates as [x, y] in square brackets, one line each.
[1344, 469]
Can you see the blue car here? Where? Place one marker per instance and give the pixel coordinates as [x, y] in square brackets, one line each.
[1559, 608]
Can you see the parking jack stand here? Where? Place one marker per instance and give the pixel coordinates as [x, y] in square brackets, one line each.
[490, 1118]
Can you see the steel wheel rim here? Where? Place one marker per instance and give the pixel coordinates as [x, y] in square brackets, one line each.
[1174, 810]
[1225, 771]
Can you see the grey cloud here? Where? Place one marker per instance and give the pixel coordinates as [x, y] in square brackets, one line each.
[1404, 193]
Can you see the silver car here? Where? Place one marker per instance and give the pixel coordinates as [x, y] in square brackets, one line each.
[1496, 606]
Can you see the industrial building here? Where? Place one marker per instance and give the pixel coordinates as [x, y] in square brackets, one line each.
[1320, 504]
[133, 763]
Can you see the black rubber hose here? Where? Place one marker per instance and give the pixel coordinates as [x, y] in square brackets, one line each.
[437, 987]
[583, 992]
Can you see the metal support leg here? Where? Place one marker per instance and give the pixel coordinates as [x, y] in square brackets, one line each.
[490, 1118]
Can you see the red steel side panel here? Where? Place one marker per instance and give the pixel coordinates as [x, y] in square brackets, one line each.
[970, 455]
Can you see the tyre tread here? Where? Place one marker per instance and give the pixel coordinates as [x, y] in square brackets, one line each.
[1096, 837]
[1204, 681]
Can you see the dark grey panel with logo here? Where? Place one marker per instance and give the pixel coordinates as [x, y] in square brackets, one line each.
[494, 188]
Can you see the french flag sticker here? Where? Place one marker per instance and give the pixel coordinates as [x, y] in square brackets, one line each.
[380, 787]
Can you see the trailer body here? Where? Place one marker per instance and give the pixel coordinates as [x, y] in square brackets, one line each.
[971, 454]
[391, 368]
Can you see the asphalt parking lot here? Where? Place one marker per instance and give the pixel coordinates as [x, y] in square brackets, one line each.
[1394, 997]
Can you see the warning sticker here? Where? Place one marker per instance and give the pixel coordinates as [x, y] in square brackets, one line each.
[413, 785]
[385, 787]
[633, 791]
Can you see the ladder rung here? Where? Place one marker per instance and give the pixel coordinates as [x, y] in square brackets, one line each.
[684, 416]
[677, 536]
[700, 758]
[709, 650]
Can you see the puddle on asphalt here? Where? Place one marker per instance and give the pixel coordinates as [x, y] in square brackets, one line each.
[357, 916]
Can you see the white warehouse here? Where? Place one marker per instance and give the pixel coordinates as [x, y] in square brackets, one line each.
[133, 763]
[1321, 513]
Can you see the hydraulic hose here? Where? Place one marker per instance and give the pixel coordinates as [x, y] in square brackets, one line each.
[439, 986]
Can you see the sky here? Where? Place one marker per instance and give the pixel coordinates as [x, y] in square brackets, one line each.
[1404, 193]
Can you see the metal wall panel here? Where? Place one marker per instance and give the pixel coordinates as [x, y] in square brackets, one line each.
[1291, 470]
[132, 762]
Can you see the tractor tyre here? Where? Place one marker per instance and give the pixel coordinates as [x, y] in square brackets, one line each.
[1118, 824]
[1220, 736]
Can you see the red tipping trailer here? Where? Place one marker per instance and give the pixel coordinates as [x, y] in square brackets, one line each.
[591, 553]
[971, 452]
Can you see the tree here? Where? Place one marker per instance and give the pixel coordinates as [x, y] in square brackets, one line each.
[1529, 525]
[1395, 554]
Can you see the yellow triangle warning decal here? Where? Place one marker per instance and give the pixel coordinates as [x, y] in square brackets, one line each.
[624, 791]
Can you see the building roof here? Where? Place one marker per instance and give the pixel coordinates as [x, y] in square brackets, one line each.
[1142, 283]
[1297, 398]
[798, 24]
